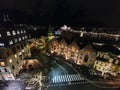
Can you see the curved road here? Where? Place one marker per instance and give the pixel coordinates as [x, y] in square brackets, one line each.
[59, 67]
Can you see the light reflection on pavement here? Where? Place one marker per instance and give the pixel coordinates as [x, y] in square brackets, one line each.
[13, 85]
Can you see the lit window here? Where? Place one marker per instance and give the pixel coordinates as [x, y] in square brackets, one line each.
[2, 64]
[59, 46]
[15, 56]
[18, 32]
[21, 31]
[9, 76]
[10, 42]
[8, 33]
[29, 36]
[0, 35]
[23, 38]
[81, 35]
[23, 50]
[69, 49]
[15, 40]
[19, 39]
[10, 60]
[13, 32]
[1, 44]
[20, 53]
[24, 31]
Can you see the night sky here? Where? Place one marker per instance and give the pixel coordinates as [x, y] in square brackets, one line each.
[67, 11]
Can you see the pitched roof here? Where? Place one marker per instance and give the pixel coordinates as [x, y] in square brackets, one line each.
[89, 47]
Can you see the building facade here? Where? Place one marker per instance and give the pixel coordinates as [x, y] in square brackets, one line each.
[87, 56]
[106, 64]
[13, 49]
[72, 52]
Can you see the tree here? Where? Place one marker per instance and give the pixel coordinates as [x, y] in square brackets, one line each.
[35, 80]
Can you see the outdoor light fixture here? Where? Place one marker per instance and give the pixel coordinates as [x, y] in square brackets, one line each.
[10, 60]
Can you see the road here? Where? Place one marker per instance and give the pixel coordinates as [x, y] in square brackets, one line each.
[65, 77]
[78, 87]
[61, 68]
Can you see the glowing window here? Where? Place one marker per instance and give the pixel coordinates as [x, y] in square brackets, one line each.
[1, 44]
[10, 60]
[19, 39]
[10, 42]
[23, 50]
[0, 35]
[2, 64]
[24, 31]
[15, 56]
[8, 33]
[13, 32]
[15, 40]
[18, 32]
[23, 38]
[21, 31]
[81, 35]
[20, 53]
[9, 76]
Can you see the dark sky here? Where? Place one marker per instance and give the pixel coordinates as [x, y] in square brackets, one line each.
[68, 11]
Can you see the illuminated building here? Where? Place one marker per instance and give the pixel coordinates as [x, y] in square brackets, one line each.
[106, 64]
[72, 52]
[87, 56]
[62, 48]
[13, 49]
[53, 46]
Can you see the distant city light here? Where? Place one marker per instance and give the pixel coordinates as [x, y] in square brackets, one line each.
[81, 34]
[64, 27]
[58, 32]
